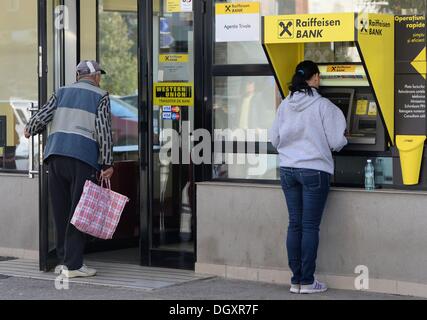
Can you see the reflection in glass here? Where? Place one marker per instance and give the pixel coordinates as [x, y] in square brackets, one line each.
[325, 52]
[252, 53]
[118, 51]
[19, 87]
[245, 102]
[349, 171]
[266, 167]
[118, 55]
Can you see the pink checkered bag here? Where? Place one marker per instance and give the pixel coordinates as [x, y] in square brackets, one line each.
[99, 210]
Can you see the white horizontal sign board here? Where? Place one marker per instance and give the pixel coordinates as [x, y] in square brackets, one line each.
[236, 22]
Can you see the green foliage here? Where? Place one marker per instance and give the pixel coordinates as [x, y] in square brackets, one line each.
[117, 55]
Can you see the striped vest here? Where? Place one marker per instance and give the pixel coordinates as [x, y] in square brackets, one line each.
[73, 130]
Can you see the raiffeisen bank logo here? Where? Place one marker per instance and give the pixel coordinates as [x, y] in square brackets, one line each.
[286, 29]
[309, 28]
[373, 27]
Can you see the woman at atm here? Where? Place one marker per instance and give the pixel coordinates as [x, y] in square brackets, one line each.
[306, 130]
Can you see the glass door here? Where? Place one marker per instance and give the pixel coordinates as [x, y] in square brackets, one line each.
[107, 31]
[172, 217]
[141, 44]
[115, 36]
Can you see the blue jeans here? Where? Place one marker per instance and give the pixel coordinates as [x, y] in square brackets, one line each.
[306, 192]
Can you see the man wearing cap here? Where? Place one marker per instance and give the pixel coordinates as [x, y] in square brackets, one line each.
[78, 147]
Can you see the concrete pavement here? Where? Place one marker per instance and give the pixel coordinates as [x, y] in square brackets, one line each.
[12, 288]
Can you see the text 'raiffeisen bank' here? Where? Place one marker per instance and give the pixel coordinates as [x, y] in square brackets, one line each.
[331, 28]
[311, 27]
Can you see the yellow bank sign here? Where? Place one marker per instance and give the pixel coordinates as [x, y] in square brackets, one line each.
[237, 8]
[341, 68]
[309, 28]
[173, 94]
[173, 58]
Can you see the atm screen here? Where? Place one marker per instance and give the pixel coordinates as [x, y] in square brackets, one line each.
[342, 99]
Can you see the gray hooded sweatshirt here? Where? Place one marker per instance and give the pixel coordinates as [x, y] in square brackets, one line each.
[306, 130]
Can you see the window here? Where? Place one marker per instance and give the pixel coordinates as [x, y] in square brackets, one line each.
[245, 96]
[250, 52]
[19, 87]
[245, 102]
[339, 52]
[118, 54]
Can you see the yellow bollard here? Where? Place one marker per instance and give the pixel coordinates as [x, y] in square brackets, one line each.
[411, 150]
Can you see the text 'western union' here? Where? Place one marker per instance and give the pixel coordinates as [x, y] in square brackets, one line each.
[173, 92]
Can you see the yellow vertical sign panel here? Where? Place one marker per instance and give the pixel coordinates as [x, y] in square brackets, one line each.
[376, 42]
[420, 63]
[284, 62]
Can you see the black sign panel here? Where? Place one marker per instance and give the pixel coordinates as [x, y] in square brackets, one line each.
[410, 84]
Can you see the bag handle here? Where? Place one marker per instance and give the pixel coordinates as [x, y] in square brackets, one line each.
[106, 182]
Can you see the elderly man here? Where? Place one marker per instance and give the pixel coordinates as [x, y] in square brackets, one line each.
[78, 147]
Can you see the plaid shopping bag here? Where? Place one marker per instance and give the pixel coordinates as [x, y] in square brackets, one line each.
[99, 210]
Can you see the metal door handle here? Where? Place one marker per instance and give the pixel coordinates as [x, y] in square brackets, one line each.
[31, 170]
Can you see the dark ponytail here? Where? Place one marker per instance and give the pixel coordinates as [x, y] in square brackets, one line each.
[303, 73]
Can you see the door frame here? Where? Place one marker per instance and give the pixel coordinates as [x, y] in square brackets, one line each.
[145, 84]
[152, 256]
[47, 260]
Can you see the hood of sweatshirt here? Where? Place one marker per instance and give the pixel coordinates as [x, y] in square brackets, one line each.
[300, 101]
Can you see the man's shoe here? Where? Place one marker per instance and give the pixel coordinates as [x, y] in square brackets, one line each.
[82, 272]
[316, 287]
[59, 268]
[295, 288]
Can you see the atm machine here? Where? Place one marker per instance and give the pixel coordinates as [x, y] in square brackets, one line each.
[366, 59]
[349, 89]
[347, 86]
[354, 52]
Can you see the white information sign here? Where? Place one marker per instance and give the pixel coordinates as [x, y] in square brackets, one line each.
[236, 22]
